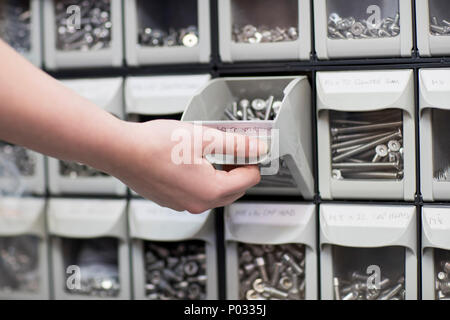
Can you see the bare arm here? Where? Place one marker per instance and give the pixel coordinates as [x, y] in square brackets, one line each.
[38, 112]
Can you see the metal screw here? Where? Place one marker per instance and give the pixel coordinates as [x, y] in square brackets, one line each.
[357, 148]
[283, 281]
[181, 272]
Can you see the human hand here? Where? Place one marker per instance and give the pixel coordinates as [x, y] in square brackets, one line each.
[149, 164]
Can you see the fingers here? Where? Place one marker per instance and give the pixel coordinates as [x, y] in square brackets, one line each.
[238, 180]
[219, 142]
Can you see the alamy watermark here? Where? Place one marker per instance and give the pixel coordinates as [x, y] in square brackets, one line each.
[73, 281]
[227, 146]
[73, 20]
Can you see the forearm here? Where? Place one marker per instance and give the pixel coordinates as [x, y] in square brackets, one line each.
[38, 112]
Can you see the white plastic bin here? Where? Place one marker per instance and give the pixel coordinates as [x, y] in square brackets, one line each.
[289, 133]
[21, 28]
[64, 48]
[368, 252]
[90, 251]
[271, 251]
[30, 166]
[435, 252]
[24, 269]
[174, 253]
[433, 28]
[360, 114]
[434, 114]
[250, 31]
[167, 32]
[363, 28]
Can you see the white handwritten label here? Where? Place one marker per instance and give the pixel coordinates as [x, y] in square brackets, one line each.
[254, 129]
[145, 210]
[367, 217]
[269, 214]
[167, 86]
[89, 211]
[436, 80]
[368, 82]
[438, 219]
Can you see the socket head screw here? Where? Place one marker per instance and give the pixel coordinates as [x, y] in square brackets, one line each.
[357, 29]
[336, 174]
[253, 295]
[258, 104]
[442, 276]
[286, 283]
[381, 151]
[258, 285]
[446, 267]
[334, 18]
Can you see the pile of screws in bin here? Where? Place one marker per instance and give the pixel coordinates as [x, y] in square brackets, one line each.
[443, 280]
[256, 109]
[352, 28]
[19, 264]
[442, 174]
[367, 145]
[98, 267]
[94, 30]
[175, 271]
[187, 37]
[272, 272]
[439, 28]
[20, 156]
[358, 287]
[76, 170]
[263, 34]
[15, 29]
